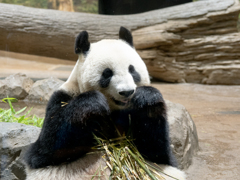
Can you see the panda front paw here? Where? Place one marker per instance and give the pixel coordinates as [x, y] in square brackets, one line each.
[146, 96]
[89, 105]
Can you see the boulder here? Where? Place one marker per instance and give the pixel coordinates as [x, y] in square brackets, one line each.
[42, 90]
[16, 86]
[183, 134]
[14, 139]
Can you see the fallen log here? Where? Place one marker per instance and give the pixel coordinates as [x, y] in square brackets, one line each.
[203, 49]
[51, 33]
[195, 42]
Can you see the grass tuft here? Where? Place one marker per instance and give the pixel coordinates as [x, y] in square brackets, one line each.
[11, 115]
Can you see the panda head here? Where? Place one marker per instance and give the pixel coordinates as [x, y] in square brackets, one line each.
[112, 67]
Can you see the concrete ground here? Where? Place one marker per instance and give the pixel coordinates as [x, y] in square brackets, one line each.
[216, 113]
[35, 67]
[214, 109]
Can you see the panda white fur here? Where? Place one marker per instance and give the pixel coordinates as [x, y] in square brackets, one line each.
[109, 82]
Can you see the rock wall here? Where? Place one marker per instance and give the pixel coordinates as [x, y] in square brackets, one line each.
[199, 49]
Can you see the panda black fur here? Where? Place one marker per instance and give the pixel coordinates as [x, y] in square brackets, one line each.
[109, 83]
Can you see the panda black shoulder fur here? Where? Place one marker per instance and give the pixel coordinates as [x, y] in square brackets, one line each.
[109, 82]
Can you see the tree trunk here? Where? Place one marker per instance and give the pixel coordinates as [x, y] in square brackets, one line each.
[65, 5]
[52, 4]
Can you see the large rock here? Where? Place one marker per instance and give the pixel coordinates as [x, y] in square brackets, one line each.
[14, 139]
[42, 90]
[16, 86]
[183, 134]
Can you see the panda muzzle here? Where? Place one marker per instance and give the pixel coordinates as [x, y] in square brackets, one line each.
[124, 102]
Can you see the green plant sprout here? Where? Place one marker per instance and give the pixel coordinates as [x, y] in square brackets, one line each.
[11, 115]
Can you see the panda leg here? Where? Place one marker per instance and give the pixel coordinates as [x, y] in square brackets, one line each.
[150, 126]
[67, 130]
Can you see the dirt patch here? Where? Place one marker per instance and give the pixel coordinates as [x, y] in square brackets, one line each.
[216, 113]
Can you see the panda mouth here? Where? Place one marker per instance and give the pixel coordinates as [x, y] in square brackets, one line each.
[121, 103]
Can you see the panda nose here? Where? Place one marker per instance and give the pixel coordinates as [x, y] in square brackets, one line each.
[126, 93]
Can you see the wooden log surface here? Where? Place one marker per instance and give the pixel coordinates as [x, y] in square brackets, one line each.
[51, 33]
[203, 49]
[196, 42]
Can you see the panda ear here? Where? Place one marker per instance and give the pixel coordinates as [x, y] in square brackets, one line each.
[126, 35]
[82, 44]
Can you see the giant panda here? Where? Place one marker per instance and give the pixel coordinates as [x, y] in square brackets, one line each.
[108, 84]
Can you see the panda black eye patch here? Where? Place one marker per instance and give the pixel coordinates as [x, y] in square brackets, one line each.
[106, 77]
[136, 76]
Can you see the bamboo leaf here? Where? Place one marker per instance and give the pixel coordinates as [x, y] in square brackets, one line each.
[10, 104]
[10, 115]
[125, 161]
[23, 109]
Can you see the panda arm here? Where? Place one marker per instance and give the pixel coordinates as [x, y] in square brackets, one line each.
[150, 126]
[67, 130]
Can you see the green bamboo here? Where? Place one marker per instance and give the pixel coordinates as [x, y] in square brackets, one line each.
[140, 164]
